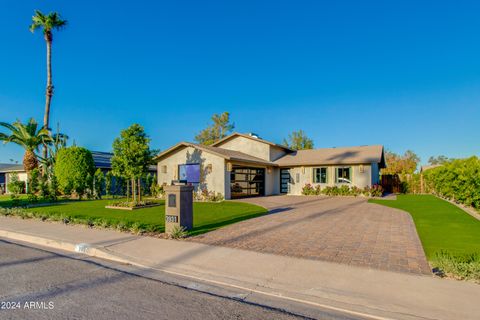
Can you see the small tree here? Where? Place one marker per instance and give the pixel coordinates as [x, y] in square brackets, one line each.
[298, 140]
[219, 129]
[98, 183]
[401, 164]
[132, 156]
[73, 167]
[108, 183]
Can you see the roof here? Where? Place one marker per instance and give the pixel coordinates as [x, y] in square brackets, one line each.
[325, 156]
[102, 159]
[224, 153]
[8, 167]
[255, 138]
[428, 167]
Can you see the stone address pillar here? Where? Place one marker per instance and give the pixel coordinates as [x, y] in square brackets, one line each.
[178, 207]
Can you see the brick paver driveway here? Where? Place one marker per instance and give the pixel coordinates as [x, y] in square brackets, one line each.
[344, 230]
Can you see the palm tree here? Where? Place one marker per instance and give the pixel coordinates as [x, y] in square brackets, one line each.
[29, 136]
[48, 23]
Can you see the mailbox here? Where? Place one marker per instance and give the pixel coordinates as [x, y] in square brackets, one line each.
[178, 207]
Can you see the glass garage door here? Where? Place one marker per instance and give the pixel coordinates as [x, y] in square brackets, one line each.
[247, 182]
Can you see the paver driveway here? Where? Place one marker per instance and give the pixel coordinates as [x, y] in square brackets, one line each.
[344, 230]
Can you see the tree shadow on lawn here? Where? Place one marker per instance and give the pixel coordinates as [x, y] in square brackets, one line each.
[204, 228]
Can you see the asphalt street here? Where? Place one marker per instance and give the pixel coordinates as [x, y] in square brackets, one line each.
[43, 284]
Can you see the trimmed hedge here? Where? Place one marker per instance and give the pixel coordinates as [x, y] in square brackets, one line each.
[74, 168]
[457, 180]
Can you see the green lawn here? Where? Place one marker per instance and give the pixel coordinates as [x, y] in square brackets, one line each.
[441, 225]
[207, 216]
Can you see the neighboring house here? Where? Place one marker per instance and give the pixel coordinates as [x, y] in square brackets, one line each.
[243, 165]
[102, 160]
[6, 171]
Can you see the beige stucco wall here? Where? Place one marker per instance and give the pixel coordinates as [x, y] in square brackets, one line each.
[251, 147]
[300, 176]
[276, 153]
[212, 180]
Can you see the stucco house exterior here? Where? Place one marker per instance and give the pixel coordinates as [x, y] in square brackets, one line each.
[243, 165]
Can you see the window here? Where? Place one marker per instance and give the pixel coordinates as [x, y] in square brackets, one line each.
[319, 175]
[344, 175]
[189, 172]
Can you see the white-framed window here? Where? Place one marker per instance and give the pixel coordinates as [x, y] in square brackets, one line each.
[343, 174]
[320, 175]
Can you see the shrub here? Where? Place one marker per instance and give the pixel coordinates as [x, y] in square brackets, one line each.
[376, 190]
[15, 186]
[72, 168]
[178, 232]
[465, 267]
[205, 195]
[309, 190]
[331, 191]
[344, 190]
[457, 180]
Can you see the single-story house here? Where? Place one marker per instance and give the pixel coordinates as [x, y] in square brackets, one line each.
[243, 165]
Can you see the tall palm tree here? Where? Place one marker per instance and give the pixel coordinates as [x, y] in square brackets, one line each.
[29, 136]
[48, 23]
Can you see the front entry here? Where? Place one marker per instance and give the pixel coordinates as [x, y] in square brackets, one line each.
[247, 182]
[285, 179]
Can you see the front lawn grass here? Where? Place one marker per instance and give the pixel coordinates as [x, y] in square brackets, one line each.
[207, 216]
[449, 235]
[441, 225]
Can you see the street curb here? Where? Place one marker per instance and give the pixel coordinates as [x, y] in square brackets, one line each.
[93, 251]
[84, 248]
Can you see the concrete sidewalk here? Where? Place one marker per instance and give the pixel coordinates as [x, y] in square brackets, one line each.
[360, 292]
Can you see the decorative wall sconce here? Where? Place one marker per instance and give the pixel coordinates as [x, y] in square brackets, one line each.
[229, 167]
[361, 169]
[209, 168]
[269, 170]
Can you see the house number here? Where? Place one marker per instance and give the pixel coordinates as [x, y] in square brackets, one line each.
[171, 219]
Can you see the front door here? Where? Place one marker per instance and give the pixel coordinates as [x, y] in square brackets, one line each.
[285, 179]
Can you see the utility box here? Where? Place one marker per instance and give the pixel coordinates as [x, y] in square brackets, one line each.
[178, 207]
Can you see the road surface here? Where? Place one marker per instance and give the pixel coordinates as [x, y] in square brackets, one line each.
[43, 284]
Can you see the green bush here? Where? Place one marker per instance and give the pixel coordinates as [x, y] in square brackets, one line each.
[74, 168]
[15, 186]
[457, 180]
[464, 267]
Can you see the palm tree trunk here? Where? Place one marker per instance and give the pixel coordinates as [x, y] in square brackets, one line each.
[49, 90]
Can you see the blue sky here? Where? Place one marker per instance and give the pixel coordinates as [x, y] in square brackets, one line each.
[403, 74]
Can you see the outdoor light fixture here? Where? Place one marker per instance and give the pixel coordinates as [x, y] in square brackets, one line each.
[229, 167]
[361, 169]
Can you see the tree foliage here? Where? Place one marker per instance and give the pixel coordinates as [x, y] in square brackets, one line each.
[298, 140]
[441, 159]
[73, 167]
[132, 155]
[401, 164]
[27, 135]
[219, 129]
